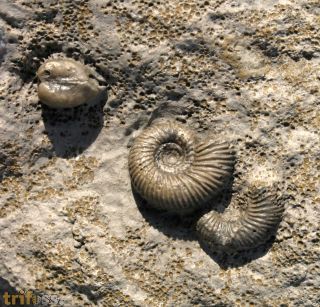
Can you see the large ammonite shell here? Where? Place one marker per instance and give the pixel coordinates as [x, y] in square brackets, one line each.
[66, 83]
[258, 218]
[172, 170]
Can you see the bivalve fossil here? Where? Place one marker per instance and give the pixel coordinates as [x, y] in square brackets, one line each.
[66, 83]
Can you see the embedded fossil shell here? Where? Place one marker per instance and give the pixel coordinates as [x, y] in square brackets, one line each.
[252, 227]
[174, 171]
[66, 83]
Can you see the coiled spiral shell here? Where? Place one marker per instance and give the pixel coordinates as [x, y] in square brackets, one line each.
[174, 171]
[253, 226]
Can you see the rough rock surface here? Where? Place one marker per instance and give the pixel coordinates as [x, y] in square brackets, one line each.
[245, 71]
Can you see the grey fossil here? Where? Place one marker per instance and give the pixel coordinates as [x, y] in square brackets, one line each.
[259, 215]
[175, 171]
[66, 83]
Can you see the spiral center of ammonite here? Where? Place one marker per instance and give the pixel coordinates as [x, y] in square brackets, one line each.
[170, 157]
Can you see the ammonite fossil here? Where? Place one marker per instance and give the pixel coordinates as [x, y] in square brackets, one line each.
[66, 83]
[173, 170]
[259, 216]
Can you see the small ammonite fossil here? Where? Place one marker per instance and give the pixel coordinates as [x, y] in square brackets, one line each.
[257, 220]
[173, 170]
[66, 83]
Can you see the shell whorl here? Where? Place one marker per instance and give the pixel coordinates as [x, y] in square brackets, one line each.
[254, 226]
[173, 171]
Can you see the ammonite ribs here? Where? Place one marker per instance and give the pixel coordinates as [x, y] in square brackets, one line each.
[256, 224]
[175, 172]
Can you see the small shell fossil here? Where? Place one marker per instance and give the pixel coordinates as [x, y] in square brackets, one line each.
[174, 171]
[66, 83]
[254, 225]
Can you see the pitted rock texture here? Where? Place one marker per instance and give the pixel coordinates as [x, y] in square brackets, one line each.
[69, 223]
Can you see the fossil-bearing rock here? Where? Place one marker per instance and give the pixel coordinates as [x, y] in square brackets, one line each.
[69, 227]
[66, 83]
[257, 220]
[175, 171]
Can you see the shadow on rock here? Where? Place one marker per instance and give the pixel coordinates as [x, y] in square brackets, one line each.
[239, 258]
[180, 226]
[72, 131]
[172, 225]
[183, 228]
